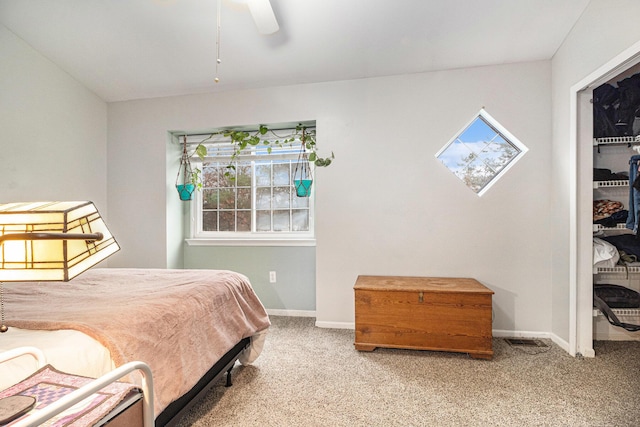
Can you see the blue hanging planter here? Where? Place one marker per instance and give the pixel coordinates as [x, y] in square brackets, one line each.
[303, 187]
[185, 191]
[187, 177]
[302, 177]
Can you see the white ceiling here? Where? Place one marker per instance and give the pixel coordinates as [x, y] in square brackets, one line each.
[130, 49]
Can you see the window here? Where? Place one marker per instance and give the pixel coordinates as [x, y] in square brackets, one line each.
[254, 199]
[481, 153]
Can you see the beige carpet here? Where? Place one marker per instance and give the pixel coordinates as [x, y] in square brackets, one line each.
[308, 376]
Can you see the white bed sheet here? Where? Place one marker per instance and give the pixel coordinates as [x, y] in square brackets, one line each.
[73, 352]
[66, 350]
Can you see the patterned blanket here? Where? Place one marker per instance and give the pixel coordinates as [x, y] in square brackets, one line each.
[179, 322]
[48, 385]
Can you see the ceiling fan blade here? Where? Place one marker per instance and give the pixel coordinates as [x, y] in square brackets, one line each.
[263, 16]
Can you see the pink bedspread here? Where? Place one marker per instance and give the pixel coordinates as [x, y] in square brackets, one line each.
[179, 322]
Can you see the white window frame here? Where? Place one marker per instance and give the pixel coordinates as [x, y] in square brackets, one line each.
[249, 238]
[500, 130]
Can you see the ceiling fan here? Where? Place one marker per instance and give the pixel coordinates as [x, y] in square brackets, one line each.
[262, 14]
[263, 17]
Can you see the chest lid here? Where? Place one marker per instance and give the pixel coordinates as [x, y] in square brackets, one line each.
[423, 284]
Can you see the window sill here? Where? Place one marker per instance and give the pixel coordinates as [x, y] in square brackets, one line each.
[306, 241]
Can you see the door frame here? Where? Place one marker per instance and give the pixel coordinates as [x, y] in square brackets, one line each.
[581, 193]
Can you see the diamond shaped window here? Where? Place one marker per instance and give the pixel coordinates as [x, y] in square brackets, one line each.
[481, 153]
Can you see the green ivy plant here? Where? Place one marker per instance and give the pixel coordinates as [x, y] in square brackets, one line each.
[244, 139]
[195, 179]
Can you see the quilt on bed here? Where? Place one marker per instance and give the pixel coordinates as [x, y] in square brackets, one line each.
[179, 322]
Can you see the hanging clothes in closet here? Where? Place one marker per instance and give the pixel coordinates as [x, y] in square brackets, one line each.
[634, 194]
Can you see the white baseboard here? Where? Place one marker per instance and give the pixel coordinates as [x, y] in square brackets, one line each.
[502, 333]
[336, 325]
[565, 345]
[311, 313]
[498, 333]
[290, 313]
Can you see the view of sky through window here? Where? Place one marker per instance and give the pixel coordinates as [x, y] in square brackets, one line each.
[481, 153]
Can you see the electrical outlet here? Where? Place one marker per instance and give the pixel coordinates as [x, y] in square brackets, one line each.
[272, 277]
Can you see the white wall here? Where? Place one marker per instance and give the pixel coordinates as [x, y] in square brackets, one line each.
[53, 131]
[386, 206]
[390, 208]
[606, 28]
[412, 217]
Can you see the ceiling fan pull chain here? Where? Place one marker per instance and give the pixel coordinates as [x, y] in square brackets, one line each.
[217, 43]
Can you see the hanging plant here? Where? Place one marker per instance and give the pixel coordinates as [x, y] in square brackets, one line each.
[188, 178]
[302, 177]
[242, 140]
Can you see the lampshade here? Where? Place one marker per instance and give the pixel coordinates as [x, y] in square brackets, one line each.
[51, 241]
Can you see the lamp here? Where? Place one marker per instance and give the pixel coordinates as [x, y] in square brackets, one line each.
[50, 241]
[47, 241]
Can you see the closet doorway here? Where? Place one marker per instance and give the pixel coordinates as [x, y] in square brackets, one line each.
[581, 205]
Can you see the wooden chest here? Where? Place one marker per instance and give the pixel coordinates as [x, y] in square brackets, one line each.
[423, 313]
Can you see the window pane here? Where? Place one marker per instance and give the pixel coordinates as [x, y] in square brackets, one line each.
[210, 175]
[498, 153]
[209, 199]
[210, 221]
[299, 202]
[263, 221]
[280, 220]
[227, 198]
[478, 132]
[227, 221]
[475, 174]
[300, 220]
[281, 196]
[452, 157]
[281, 174]
[213, 176]
[244, 198]
[263, 198]
[263, 174]
[244, 221]
[243, 174]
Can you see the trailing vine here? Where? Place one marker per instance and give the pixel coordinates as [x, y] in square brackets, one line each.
[242, 140]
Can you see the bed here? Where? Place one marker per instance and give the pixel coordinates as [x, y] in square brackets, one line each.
[189, 326]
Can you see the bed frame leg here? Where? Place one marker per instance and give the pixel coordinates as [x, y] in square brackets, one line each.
[229, 383]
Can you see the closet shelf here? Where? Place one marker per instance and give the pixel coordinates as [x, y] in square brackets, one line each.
[600, 227]
[620, 312]
[611, 184]
[621, 269]
[616, 140]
